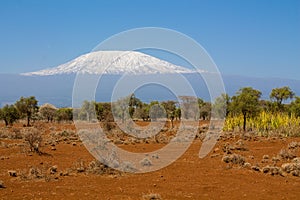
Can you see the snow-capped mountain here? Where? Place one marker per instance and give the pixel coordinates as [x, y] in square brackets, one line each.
[114, 62]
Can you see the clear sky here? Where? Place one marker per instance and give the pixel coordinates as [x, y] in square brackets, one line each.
[244, 37]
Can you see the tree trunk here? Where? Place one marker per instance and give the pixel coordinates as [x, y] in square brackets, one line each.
[6, 122]
[245, 121]
[28, 120]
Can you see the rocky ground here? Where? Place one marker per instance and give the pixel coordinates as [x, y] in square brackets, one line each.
[241, 166]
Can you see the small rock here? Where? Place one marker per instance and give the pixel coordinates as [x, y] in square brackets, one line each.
[251, 157]
[74, 144]
[53, 148]
[296, 160]
[276, 159]
[255, 168]
[146, 162]
[2, 184]
[12, 173]
[155, 156]
[226, 159]
[266, 169]
[288, 167]
[65, 173]
[80, 169]
[295, 173]
[266, 157]
[275, 170]
[53, 169]
[247, 165]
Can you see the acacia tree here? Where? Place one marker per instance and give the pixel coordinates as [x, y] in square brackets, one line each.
[205, 111]
[189, 107]
[156, 111]
[48, 111]
[170, 108]
[178, 114]
[64, 114]
[87, 111]
[9, 114]
[133, 104]
[278, 95]
[221, 106]
[27, 107]
[246, 102]
[142, 112]
[104, 112]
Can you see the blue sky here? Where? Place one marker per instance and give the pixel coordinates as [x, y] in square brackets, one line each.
[245, 37]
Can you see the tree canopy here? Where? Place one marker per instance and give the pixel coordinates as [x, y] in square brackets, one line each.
[246, 102]
[27, 107]
[278, 95]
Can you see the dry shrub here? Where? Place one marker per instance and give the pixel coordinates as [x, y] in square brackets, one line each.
[146, 162]
[38, 172]
[292, 168]
[96, 167]
[34, 139]
[240, 146]
[286, 154]
[234, 159]
[293, 145]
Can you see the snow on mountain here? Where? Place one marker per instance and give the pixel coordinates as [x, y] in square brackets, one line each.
[114, 62]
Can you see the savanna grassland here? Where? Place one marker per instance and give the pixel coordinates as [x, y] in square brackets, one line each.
[257, 155]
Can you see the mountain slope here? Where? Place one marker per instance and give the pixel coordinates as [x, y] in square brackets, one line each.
[114, 62]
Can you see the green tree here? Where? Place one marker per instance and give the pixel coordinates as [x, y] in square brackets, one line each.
[205, 111]
[156, 111]
[27, 107]
[142, 112]
[221, 105]
[278, 95]
[189, 107]
[48, 111]
[178, 114]
[295, 106]
[87, 111]
[64, 114]
[267, 106]
[103, 112]
[246, 102]
[134, 103]
[9, 114]
[170, 108]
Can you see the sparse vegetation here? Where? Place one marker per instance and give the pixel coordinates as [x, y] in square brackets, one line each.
[27, 107]
[48, 112]
[9, 114]
[34, 139]
[264, 122]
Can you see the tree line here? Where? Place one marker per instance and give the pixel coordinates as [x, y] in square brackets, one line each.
[27, 108]
[246, 102]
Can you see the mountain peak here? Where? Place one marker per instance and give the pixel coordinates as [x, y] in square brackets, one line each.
[114, 62]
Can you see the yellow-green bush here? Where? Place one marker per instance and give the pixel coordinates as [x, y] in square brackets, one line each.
[266, 124]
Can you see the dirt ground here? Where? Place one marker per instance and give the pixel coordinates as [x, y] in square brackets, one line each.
[188, 178]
